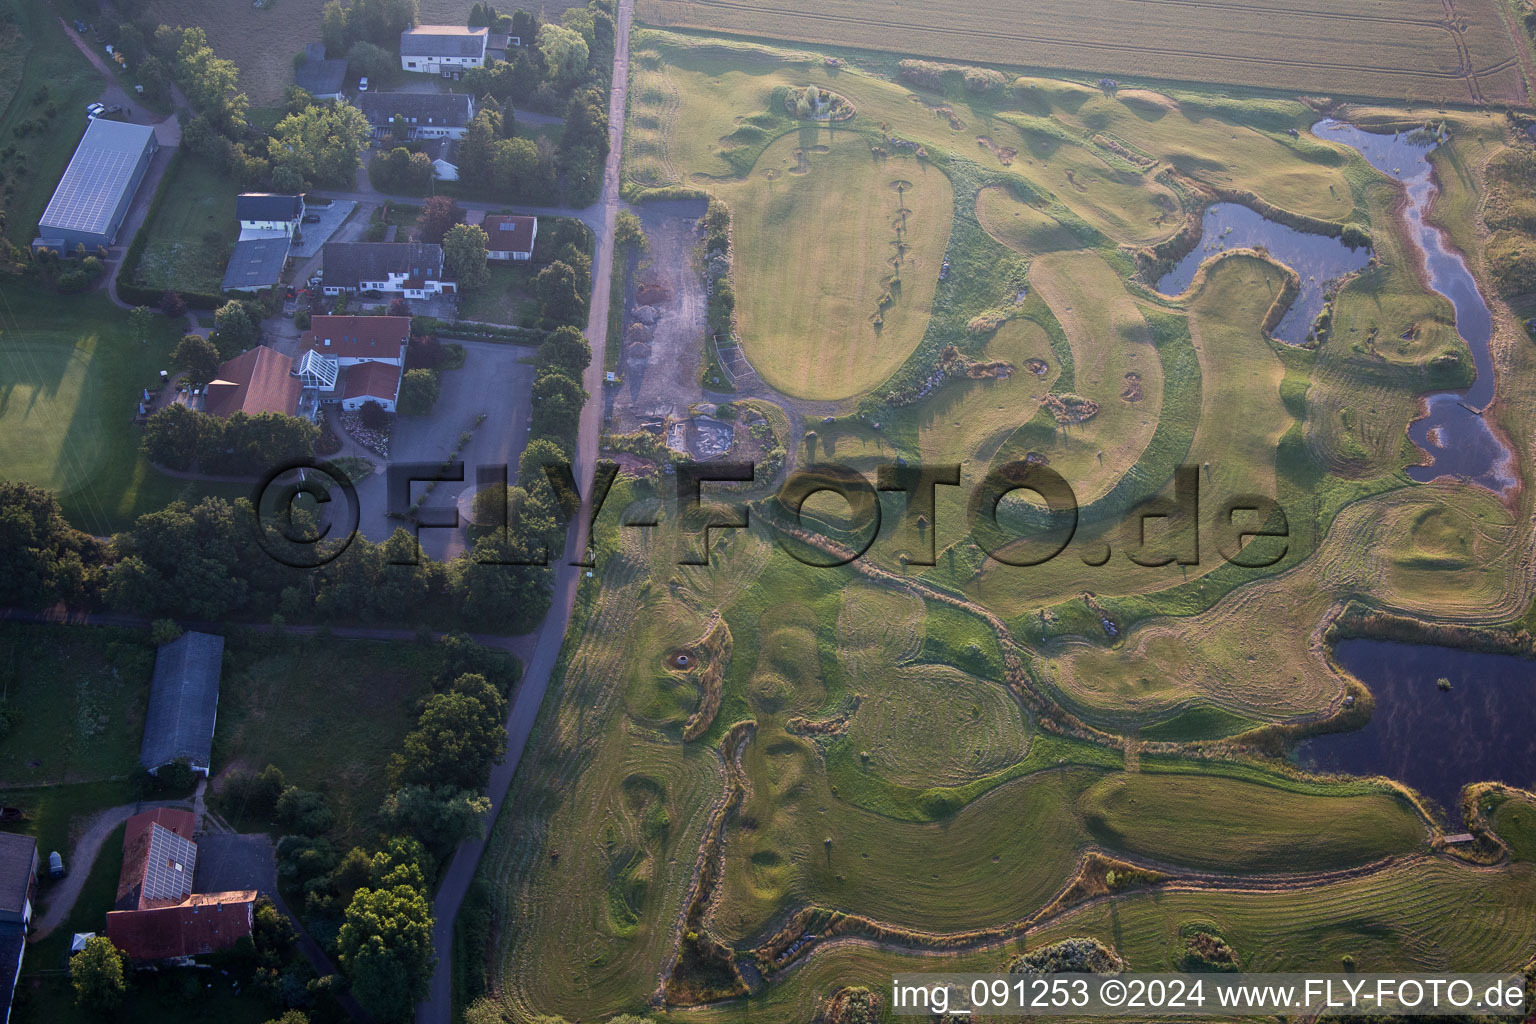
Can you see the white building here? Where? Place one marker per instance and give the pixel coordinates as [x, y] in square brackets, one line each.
[447, 50]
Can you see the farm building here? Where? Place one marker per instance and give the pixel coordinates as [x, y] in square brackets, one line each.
[159, 858]
[18, 877]
[255, 264]
[202, 923]
[354, 359]
[425, 115]
[447, 50]
[98, 186]
[510, 238]
[256, 381]
[322, 78]
[183, 702]
[157, 916]
[267, 215]
[411, 269]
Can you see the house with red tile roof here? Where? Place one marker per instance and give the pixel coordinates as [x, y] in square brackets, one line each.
[256, 381]
[354, 359]
[510, 238]
[157, 916]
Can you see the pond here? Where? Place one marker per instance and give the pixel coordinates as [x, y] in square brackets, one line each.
[1457, 438]
[1482, 729]
[1317, 259]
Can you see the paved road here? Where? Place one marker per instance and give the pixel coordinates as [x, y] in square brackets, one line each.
[438, 1006]
[61, 898]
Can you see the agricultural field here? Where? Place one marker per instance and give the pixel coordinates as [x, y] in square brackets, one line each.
[1410, 52]
[757, 781]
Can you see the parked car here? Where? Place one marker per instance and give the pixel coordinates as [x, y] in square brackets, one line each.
[362, 84]
[289, 293]
[95, 110]
[311, 218]
[56, 865]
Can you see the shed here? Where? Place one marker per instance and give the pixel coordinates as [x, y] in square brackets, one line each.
[183, 703]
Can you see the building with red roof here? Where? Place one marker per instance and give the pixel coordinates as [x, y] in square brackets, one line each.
[202, 923]
[256, 381]
[509, 237]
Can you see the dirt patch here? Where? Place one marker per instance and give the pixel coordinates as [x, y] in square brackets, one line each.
[955, 364]
[1038, 367]
[1132, 390]
[1036, 459]
[638, 351]
[1068, 408]
[1005, 154]
[652, 294]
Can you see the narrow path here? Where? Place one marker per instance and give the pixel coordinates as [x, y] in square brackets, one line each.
[537, 669]
[61, 899]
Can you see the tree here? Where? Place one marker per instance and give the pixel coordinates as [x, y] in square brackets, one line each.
[176, 436]
[418, 392]
[439, 816]
[565, 53]
[566, 350]
[403, 861]
[401, 171]
[322, 143]
[464, 248]
[385, 946]
[627, 230]
[291, 1017]
[43, 560]
[370, 60]
[233, 329]
[374, 415]
[438, 214]
[459, 736]
[515, 166]
[556, 289]
[197, 357]
[210, 83]
[538, 453]
[140, 319]
[97, 974]
[557, 402]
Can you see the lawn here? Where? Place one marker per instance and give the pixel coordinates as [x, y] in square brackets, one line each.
[78, 695]
[193, 232]
[70, 376]
[507, 299]
[1246, 828]
[42, 70]
[329, 713]
[834, 319]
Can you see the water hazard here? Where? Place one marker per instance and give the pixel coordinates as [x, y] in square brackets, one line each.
[1317, 260]
[1457, 438]
[1481, 729]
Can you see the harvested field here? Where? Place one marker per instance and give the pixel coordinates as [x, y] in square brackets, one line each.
[1408, 51]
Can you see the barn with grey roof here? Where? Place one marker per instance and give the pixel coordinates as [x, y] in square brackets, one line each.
[183, 703]
[98, 186]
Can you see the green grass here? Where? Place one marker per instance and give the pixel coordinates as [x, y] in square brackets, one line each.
[507, 299]
[193, 232]
[90, 910]
[181, 994]
[1515, 822]
[79, 695]
[1245, 828]
[329, 713]
[54, 811]
[70, 374]
[38, 55]
[1198, 723]
[806, 310]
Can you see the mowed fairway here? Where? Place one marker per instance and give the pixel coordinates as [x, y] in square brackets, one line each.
[1244, 827]
[1109, 339]
[816, 232]
[1405, 50]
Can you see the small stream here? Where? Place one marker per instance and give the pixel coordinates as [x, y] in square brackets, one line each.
[1317, 260]
[1482, 729]
[1453, 432]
